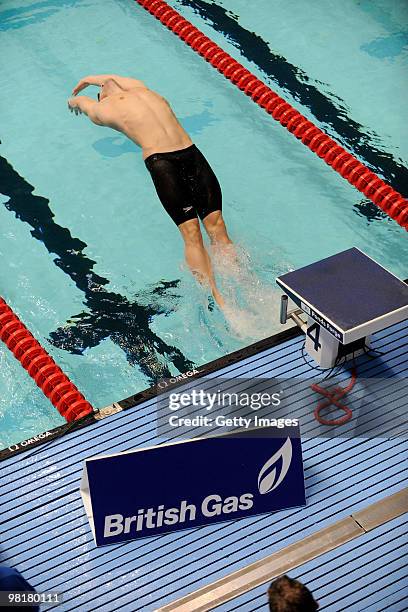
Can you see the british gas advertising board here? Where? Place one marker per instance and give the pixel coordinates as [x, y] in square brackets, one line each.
[191, 483]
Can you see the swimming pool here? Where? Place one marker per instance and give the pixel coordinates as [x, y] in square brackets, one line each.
[90, 260]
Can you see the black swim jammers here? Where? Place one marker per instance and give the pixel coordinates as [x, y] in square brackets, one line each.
[185, 183]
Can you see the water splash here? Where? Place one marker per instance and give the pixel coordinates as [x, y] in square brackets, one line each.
[247, 286]
[199, 328]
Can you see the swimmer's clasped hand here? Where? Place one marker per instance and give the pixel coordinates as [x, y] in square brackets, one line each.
[73, 107]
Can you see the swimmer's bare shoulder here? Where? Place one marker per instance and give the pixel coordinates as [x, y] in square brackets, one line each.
[114, 110]
[135, 104]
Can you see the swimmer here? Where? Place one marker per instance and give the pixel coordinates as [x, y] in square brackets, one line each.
[184, 181]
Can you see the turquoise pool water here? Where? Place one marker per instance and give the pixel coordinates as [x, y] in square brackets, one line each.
[91, 262]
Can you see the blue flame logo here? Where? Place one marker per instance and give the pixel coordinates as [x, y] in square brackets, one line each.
[270, 477]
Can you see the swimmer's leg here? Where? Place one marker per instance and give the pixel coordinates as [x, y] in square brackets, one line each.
[222, 247]
[215, 227]
[197, 257]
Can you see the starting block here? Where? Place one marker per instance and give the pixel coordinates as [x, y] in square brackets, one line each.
[346, 298]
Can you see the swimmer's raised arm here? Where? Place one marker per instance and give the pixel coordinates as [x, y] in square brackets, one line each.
[86, 105]
[99, 79]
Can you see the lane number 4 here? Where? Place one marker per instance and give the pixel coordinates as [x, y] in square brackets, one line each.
[314, 334]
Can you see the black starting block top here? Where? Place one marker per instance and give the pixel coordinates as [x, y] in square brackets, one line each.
[349, 294]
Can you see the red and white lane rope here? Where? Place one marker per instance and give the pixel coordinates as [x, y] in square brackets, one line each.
[61, 392]
[343, 162]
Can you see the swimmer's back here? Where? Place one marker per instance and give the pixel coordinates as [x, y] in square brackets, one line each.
[146, 118]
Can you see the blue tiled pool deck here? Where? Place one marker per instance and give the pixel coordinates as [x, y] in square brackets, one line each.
[45, 534]
[343, 578]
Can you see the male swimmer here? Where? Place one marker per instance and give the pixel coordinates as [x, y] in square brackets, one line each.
[184, 181]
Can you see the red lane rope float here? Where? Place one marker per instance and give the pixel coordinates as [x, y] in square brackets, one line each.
[343, 162]
[61, 392]
[333, 399]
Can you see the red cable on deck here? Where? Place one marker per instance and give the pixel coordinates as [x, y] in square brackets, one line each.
[356, 173]
[62, 393]
[333, 399]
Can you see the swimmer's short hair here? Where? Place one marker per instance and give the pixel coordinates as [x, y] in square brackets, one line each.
[288, 595]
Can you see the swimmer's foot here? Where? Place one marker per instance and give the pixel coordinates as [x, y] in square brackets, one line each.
[218, 298]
